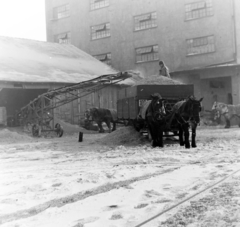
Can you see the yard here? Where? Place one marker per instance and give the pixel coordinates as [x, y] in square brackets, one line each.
[118, 180]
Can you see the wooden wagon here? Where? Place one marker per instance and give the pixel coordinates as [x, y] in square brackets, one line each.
[130, 101]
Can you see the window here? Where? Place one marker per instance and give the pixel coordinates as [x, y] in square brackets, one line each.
[145, 21]
[145, 54]
[216, 84]
[106, 58]
[63, 38]
[198, 10]
[100, 31]
[97, 4]
[200, 45]
[61, 11]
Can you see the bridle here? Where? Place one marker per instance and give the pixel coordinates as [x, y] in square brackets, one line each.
[159, 114]
[192, 116]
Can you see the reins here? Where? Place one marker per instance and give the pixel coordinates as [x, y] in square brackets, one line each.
[190, 115]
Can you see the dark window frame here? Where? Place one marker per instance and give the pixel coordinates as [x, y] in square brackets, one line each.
[147, 53]
[145, 21]
[98, 4]
[60, 12]
[100, 31]
[201, 45]
[198, 10]
[63, 38]
[106, 58]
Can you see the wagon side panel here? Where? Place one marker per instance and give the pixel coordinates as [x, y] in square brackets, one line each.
[133, 108]
[120, 109]
[166, 91]
[126, 108]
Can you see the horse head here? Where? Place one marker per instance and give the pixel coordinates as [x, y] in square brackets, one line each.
[87, 115]
[194, 107]
[157, 106]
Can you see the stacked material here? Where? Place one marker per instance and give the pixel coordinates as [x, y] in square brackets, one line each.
[157, 79]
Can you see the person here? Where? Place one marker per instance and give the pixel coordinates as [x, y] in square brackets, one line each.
[164, 71]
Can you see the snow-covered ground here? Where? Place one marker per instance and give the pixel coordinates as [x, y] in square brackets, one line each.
[118, 180]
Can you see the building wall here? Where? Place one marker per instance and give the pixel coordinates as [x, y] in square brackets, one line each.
[73, 112]
[170, 34]
[214, 84]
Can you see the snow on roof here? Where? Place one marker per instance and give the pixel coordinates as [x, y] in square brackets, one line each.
[23, 60]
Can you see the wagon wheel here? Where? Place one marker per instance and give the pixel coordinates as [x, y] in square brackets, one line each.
[126, 123]
[59, 130]
[136, 125]
[47, 128]
[36, 131]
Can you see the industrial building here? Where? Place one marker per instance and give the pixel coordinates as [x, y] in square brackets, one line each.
[199, 40]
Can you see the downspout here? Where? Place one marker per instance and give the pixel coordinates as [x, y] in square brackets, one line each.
[235, 49]
[234, 31]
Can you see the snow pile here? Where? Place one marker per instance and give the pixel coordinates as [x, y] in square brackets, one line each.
[70, 128]
[122, 136]
[157, 79]
[8, 136]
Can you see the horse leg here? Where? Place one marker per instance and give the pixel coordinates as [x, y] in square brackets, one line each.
[194, 136]
[181, 141]
[228, 125]
[108, 123]
[153, 135]
[160, 136]
[186, 135]
[238, 120]
[101, 130]
[114, 126]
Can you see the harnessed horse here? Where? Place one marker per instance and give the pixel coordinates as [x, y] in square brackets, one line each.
[154, 117]
[100, 115]
[186, 114]
[227, 111]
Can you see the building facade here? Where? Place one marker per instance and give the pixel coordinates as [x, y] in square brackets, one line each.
[199, 40]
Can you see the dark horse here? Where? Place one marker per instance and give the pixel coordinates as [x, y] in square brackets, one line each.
[186, 114]
[153, 112]
[100, 115]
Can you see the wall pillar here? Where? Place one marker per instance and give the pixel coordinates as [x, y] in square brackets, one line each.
[236, 87]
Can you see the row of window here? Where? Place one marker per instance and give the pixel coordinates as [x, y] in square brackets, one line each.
[193, 11]
[195, 46]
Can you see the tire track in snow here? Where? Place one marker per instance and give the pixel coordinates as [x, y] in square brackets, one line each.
[78, 196]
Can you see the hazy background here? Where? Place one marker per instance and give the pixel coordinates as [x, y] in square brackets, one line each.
[23, 19]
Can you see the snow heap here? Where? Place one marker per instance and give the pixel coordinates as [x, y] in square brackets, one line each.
[122, 136]
[7, 136]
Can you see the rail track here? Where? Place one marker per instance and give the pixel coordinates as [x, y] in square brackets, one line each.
[188, 198]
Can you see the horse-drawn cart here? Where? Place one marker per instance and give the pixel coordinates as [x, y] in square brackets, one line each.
[131, 99]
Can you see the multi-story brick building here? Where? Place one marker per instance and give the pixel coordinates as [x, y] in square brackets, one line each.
[199, 40]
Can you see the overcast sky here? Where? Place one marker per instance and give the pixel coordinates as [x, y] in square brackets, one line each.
[23, 19]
